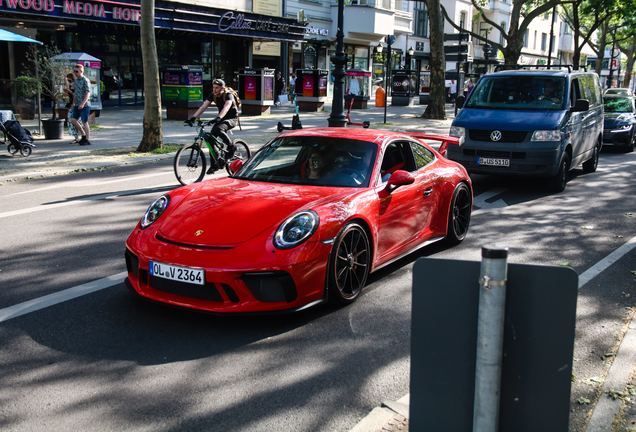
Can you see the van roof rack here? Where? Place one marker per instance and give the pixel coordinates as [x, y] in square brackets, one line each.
[504, 67]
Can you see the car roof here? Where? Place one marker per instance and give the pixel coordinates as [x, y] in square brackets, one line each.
[558, 73]
[370, 135]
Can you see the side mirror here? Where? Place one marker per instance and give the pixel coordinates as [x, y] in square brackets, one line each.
[236, 165]
[399, 178]
[461, 99]
[581, 105]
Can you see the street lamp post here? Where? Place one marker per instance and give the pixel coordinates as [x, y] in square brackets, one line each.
[337, 117]
[409, 54]
[389, 40]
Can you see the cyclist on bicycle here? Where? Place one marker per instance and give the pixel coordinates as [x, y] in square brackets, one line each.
[226, 120]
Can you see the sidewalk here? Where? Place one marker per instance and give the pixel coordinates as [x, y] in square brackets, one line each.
[119, 130]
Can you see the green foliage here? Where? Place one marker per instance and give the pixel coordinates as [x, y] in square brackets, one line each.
[25, 86]
[102, 87]
[50, 72]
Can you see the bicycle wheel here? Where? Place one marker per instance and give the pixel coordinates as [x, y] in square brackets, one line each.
[242, 152]
[189, 164]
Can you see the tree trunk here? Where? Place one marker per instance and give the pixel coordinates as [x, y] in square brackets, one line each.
[436, 108]
[152, 133]
[602, 43]
[629, 65]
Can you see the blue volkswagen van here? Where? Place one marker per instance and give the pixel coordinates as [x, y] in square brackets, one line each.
[536, 123]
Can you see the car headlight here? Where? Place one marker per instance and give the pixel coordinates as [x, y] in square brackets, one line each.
[623, 128]
[155, 210]
[296, 229]
[546, 135]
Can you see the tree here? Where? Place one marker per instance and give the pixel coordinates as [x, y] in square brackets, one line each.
[523, 12]
[585, 18]
[152, 134]
[51, 68]
[436, 108]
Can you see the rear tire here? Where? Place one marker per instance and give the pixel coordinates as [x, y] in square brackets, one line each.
[459, 215]
[558, 182]
[12, 148]
[589, 166]
[189, 164]
[242, 152]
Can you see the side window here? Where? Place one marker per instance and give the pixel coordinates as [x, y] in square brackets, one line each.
[422, 155]
[397, 156]
[575, 91]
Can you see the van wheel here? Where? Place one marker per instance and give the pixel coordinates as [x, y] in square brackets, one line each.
[558, 182]
[589, 166]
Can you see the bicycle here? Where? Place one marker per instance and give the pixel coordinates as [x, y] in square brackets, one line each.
[190, 162]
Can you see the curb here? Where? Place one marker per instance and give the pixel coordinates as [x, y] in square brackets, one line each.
[391, 416]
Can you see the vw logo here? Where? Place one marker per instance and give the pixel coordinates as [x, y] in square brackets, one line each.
[495, 135]
[198, 233]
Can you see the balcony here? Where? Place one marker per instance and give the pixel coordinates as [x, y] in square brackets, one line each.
[366, 19]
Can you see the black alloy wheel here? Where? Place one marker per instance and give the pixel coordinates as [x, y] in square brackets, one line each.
[349, 264]
[459, 214]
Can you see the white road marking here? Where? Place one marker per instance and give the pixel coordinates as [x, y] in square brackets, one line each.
[484, 207]
[603, 264]
[59, 297]
[82, 200]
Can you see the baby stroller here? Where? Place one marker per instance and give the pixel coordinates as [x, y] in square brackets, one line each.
[20, 139]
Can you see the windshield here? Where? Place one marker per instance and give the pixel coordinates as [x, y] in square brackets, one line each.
[518, 93]
[312, 160]
[618, 105]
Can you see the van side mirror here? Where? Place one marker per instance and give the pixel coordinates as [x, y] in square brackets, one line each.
[460, 101]
[580, 105]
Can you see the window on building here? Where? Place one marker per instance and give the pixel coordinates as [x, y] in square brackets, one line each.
[553, 42]
[420, 15]
[384, 4]
[534, 43]
[358, 2]
[526, 37]
[544, 41]
[462, 20]
[502, 39]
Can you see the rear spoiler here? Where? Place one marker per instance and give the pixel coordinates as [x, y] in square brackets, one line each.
[445, 139]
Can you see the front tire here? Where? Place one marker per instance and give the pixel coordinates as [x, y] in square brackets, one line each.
[25, 151]
[189, 164]
[559, 181]
[242, 152]
[349, 264]
[459, 215]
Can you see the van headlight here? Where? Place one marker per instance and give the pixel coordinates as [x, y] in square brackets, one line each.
[546, 135]
[296, 229]
[155, 210]
[458, 132]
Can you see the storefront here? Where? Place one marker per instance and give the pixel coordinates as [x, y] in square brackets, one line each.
[221, 41]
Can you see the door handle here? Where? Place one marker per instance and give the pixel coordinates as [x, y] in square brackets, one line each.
[427, 192]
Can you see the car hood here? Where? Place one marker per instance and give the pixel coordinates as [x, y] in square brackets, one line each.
[612, 119]
[509, 120]
[230, 211]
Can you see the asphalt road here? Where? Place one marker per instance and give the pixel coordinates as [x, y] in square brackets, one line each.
[105, 361]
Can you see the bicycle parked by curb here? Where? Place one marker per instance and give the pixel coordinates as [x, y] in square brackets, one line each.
[190, 163]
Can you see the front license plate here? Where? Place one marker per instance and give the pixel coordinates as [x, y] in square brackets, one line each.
[176, 273]
[493, 162]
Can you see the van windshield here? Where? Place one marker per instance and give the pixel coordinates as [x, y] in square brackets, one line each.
[518, 93]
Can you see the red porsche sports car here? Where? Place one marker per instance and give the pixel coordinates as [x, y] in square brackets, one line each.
[305, 220]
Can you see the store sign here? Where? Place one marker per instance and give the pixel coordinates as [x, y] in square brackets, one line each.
[316, 31]
[75, 8]
[229, 22]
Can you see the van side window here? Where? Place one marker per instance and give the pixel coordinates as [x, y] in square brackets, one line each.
[588, 87]
[576, 92]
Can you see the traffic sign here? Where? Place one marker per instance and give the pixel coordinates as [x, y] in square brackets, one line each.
[456, 37]
[453, 49]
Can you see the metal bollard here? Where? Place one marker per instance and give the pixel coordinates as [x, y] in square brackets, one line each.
[492, 304]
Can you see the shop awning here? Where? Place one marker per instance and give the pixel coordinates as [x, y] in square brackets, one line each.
[13, 37]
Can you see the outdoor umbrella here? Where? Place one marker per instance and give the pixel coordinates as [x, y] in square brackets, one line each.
[12, 37]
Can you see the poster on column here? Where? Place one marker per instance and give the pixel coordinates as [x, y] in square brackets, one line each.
[322, 86]
[308, 85]
[250, 88]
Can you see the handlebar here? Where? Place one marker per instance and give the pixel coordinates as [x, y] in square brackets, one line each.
[199, 123]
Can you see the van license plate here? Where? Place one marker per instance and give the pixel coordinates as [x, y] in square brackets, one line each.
[176, 273]
[493, 162]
